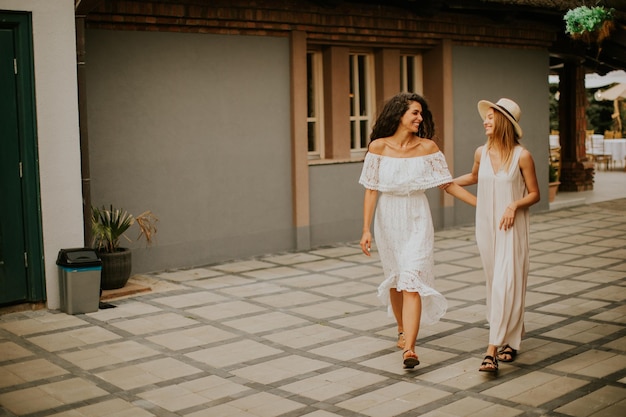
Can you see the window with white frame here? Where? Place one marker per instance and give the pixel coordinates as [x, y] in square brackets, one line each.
[361, 99]
[411, 73]
[315, 98]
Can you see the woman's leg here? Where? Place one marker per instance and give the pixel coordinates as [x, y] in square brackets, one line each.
[396, 305]
[490, 363]
[411, 316]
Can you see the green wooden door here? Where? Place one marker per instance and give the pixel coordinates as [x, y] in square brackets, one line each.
[21, 245]
[13, 279]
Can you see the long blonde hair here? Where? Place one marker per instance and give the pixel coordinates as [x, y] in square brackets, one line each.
[504, 139]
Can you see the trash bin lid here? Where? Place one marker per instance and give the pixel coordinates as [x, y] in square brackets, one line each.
[78, 257]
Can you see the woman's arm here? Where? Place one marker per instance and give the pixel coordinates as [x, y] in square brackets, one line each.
[459, 192]
[369, 205]
[472, 177]
[527, 166]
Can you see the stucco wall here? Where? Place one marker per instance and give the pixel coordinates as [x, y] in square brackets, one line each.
[196, 128]
[56, 104]
[336, 203]
[489, 74]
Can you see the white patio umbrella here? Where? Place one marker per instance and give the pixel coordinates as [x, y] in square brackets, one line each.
[615, 93]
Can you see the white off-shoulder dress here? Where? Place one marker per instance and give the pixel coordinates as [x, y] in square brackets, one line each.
[403, 227]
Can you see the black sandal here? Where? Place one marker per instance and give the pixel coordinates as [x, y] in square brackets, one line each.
[490, 364]
[410, 362]
[507, 350]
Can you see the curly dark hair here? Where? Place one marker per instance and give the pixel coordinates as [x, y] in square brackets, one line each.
[389, 118]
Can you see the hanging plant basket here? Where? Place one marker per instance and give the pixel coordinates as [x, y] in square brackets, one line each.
[597, 36]
[589, 24]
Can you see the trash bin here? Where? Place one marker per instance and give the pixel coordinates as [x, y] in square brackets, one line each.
[79, 280]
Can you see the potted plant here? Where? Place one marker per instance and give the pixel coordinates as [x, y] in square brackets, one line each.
[553, 182]
[590, 24]
[108, 227]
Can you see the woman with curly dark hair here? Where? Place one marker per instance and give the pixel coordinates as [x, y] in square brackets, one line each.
[402, 162]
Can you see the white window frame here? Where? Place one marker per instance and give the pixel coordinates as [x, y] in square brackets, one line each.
[316, 120]
[411, 80]
[356, 119]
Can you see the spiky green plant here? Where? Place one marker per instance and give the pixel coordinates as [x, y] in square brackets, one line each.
[108, 226]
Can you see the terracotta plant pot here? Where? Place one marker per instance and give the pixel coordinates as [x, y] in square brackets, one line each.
[553, 187]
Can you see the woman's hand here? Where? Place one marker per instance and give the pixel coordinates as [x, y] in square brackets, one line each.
[366, 243]
[508, 218]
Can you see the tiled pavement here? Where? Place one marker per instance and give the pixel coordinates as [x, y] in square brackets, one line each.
[302, 334]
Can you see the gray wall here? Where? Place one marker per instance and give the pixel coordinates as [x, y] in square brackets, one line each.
[195, 128]
[489, 74]
[336, 203]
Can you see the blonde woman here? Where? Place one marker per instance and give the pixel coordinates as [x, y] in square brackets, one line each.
[507, 187]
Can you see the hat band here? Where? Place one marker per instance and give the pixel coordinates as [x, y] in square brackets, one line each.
[507, 112]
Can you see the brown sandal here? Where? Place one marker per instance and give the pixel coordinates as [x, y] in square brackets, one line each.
[401, 340]
[410, 361]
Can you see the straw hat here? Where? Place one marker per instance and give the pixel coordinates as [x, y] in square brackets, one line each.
[507, 107]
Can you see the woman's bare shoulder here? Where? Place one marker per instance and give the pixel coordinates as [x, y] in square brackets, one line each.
[429, 145]
[377, 146]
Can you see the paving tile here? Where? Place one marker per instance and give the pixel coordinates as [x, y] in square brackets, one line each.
[73, 338]
[11, 351]
[242, 266]
[324, 265]
[274, 273]
[293, 258]
[192, 393]
[327, 309]
[572, 306]
[583, 331]
[472, 407]
[535, 388]
[332, 384]
[223, 281]
[278, 369]
[606, 401]
[393, 400]
[303, 334]
[224, 310]
[190, 299]
[311, 335]
[617, 344]
[235, 353]
[593, 363]
[188, 274]
[265, 322]
[290, 299]
[154, 323]
[50, 396]
[351, 349]
[31, 370]
[193, 337]
[124, 311]
[257, 405]
[147, 373]
[40, 322]
[310, 280]
[113, 408]
[109, 354]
